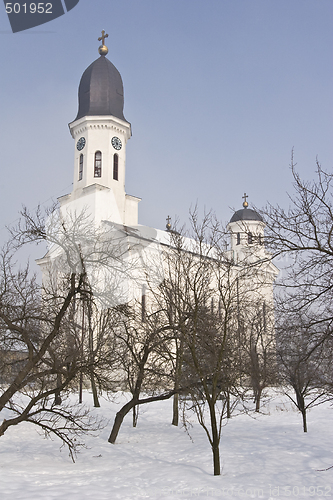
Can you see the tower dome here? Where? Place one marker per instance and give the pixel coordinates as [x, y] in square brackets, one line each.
[101, 90]
[246, 214]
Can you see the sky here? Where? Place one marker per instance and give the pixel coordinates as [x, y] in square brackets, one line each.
[218, 93]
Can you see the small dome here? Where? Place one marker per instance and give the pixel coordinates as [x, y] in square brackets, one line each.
[101, 90]
[246, 214]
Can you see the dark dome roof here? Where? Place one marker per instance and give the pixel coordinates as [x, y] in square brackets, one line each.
[101, 90]
[246, 214]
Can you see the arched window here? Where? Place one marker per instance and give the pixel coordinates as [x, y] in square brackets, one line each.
[250, 238]
[238, 238]
[98, 164]
[81, 167]
[115, 167]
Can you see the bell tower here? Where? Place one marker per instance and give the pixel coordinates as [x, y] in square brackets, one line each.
[100, 132]
[246, 228]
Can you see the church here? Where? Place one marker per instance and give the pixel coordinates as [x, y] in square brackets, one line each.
[100, 132]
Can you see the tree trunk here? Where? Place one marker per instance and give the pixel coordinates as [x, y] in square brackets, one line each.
[135, 415]
[57, 395]
[128, 406]
[116, 426]
[216, 459]
[175, 412]
[82, 340]
[94, 391]
[228, 405]
[215, 440]
[175, 409]
[81, 388]
[119, 420]
[305, 428]
[257, 397]
[301, 407]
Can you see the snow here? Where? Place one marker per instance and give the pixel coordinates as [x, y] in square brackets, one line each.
[260, 457]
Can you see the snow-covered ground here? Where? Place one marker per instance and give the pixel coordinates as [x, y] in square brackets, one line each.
[264, 457]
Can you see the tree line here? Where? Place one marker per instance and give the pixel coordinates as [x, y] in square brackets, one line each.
[204, 333]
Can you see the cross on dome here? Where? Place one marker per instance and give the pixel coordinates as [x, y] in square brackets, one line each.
[102, 38]
[102, 49]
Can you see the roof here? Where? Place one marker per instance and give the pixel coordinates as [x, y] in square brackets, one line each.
[246, 214]
[101, 90]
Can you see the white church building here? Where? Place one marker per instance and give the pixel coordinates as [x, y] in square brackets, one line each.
[100, 132]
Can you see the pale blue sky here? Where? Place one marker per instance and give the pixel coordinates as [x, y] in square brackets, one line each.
[218, 93]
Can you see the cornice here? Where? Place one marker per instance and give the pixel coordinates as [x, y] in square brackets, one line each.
[99, 123]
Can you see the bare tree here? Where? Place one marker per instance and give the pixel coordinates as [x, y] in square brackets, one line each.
[303, 234]
[43, 351]
[143, 361]
[201, 294]
[258, 349]
[32, 331]
[304, 356]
